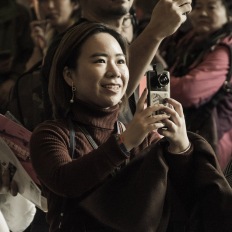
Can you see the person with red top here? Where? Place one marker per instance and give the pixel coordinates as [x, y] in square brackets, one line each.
[201, 64]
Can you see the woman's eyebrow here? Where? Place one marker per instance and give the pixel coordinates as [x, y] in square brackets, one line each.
[105, 55]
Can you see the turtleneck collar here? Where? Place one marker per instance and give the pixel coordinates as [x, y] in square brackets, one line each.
[94, 116]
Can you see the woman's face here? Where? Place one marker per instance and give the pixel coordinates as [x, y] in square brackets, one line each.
[102, 74]
[208, 16]
[57, 11]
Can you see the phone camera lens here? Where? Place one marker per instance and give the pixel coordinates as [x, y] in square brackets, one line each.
[163, 79]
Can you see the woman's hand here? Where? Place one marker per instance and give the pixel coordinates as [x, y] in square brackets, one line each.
[144, 121]
[6, 184]
[175, 128]
[170, 124]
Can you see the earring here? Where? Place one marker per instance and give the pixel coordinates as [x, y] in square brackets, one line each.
[73, 93]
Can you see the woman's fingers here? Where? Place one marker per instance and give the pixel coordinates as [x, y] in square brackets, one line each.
[151, 110]
[176, 105]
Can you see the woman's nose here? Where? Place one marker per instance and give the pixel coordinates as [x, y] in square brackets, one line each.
[113, 71]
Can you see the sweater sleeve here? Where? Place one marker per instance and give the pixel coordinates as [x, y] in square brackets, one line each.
[49, 147]
[181, 174]
[202, 81]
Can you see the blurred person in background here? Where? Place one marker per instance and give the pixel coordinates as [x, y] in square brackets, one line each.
[15, 46]
[201, 63]
[50, 17]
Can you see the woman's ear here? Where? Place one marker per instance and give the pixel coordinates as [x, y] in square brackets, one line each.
[67, 76]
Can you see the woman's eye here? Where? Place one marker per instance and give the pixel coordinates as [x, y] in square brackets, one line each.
[100, 61]
[122, 61]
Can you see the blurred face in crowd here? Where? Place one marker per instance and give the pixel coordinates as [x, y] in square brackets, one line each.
[128, 27]
[208, 16]
[111, 12]
[101, 74]
[107, 8]
[58, 12]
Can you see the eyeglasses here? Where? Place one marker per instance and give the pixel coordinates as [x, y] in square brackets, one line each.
[130, 20]
[127, 21]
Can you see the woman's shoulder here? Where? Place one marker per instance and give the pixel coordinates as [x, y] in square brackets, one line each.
[52, 127]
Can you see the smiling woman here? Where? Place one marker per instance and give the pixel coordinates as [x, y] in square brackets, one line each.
[88, 68]
[91, 166]
[101, 77]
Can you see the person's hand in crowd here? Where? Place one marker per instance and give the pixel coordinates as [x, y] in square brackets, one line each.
[38, 34]
[6, 184]
[167, 16]
[170, 123]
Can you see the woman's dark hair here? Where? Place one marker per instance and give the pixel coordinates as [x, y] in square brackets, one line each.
[65, 53]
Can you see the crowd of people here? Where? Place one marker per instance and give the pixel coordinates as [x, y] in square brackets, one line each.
[106, 162]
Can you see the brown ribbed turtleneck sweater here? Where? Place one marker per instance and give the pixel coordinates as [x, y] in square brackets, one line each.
[61, 176]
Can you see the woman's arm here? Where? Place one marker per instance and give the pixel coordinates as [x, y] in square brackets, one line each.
[67, 177]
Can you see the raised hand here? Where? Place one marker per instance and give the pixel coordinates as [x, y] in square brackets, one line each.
[167, 16]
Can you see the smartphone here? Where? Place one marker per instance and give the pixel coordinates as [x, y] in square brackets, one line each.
[5, 54]
[158, 85]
